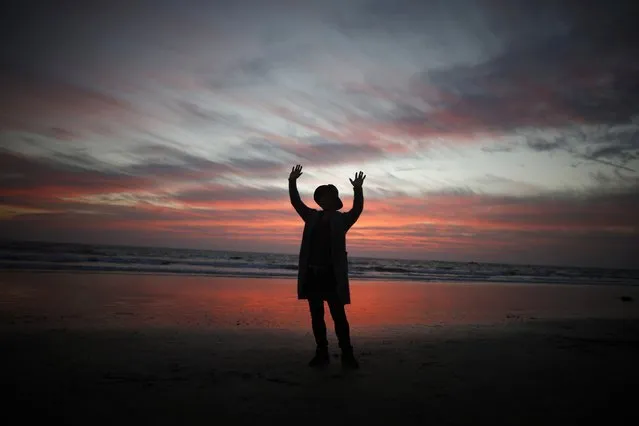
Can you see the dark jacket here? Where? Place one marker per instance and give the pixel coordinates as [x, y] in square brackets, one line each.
[340, 224]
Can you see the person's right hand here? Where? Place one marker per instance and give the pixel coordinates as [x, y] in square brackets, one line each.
[295, 172]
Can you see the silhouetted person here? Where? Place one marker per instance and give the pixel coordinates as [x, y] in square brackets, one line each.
[323, 262]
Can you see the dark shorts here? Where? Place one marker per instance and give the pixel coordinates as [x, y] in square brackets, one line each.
[321, 283]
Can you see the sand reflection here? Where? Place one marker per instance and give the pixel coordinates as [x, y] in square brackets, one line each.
[117, 300]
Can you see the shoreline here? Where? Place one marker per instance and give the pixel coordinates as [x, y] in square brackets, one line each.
[352, 278]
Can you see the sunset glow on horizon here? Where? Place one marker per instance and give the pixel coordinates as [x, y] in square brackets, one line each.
[487, 132]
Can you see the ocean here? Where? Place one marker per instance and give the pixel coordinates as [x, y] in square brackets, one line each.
[45, 256]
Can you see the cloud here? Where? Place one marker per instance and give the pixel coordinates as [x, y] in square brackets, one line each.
[26, 175]
[323, 152]
[610, 145]
[181, 121]
[584, 75]
[599, 229]
[225, 193]
[543, 145]
[43, 104]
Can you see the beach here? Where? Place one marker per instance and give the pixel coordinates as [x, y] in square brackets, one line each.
[99, 348]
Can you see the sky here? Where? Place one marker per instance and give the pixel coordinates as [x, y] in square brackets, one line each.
[490, 131]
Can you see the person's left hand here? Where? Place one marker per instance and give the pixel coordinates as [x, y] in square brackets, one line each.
[359, 180]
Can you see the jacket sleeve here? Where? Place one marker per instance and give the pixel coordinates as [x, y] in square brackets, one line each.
[302, 209]
[352, 215]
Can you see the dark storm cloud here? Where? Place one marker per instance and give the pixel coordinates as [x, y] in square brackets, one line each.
[574, 211]
[541, 145]
[81, 170]
[498, 148]
[512, 91]
[162, 160]
[622, 146]
[18, 172]
[596, 211]
[195, 113]
[315, 149]
[587, 73]
[43, 182]
[607, 145]
[326, 152]
[212, 194]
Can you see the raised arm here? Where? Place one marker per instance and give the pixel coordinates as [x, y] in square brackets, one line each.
[352, 215]
[302, 209]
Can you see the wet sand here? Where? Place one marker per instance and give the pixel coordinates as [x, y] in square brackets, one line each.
[130, 349]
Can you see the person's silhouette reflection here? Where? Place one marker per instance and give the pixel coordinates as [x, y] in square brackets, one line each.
[323, 262]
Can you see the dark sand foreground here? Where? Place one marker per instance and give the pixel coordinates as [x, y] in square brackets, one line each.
[515, 372]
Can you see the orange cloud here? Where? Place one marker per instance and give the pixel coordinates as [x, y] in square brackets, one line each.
[56, 203]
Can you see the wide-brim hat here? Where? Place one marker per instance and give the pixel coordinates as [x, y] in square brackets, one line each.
[330, 190]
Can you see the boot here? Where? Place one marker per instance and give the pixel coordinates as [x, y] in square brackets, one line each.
[348, 359]
[321, 358]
